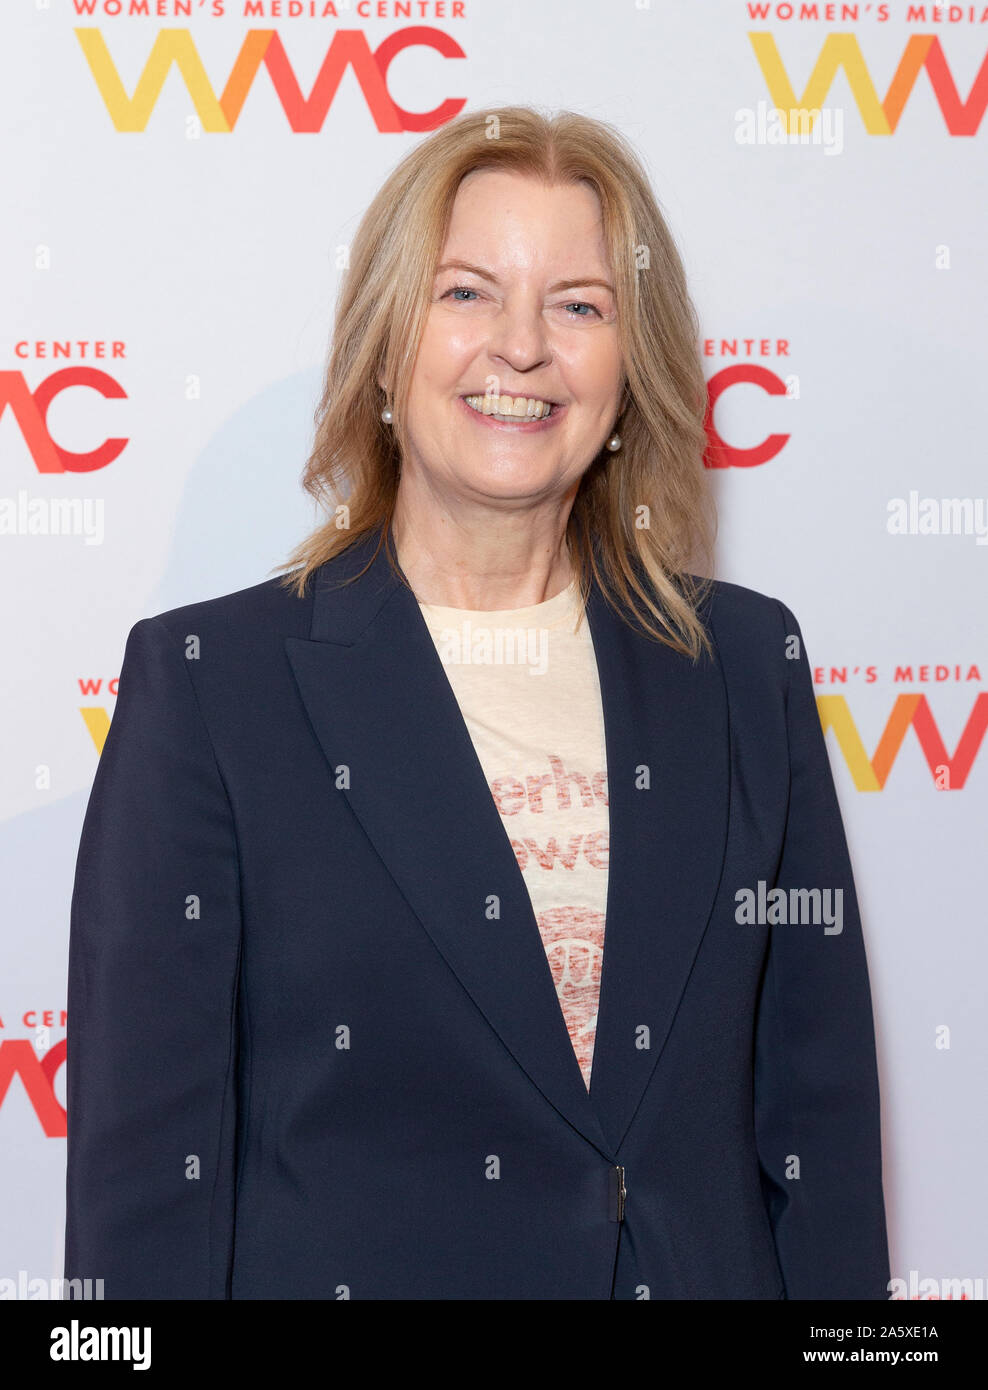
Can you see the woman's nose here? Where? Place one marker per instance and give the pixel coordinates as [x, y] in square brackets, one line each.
[518, 336]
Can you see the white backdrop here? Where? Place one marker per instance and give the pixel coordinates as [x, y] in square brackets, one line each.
[211, 257]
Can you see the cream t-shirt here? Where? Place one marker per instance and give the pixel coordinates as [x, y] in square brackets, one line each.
[527, 687]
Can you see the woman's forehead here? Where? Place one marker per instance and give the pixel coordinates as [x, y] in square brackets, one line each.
[506, 220]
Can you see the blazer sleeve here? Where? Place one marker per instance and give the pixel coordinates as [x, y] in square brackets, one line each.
[154, 954]
[816, 1096]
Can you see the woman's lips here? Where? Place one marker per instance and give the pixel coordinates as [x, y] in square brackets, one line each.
[521, 425]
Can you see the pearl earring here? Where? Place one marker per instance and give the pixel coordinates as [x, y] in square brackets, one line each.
[614, 443]
[386, 415]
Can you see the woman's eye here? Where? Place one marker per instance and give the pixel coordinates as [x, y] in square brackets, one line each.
[578, 308]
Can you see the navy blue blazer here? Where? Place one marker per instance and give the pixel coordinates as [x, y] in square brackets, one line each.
[307, 1060]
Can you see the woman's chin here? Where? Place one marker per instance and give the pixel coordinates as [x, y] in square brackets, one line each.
[505, 481]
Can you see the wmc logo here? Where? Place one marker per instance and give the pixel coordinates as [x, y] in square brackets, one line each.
[30, 409]
[18, 1058]
[218, 114]
[349, 49]
[908, 712]
[841, 51]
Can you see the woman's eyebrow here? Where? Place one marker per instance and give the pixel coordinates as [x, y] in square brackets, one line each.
[559, 285]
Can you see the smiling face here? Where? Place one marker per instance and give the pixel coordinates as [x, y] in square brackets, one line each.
[522, 318]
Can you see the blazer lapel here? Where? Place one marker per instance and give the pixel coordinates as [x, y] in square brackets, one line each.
[668, 780]
[381, 705]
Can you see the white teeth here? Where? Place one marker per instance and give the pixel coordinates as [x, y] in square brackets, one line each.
[510, 407]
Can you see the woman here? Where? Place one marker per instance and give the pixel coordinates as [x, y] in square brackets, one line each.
[360, 1004]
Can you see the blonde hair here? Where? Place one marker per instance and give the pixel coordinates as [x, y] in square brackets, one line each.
[642, 517]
